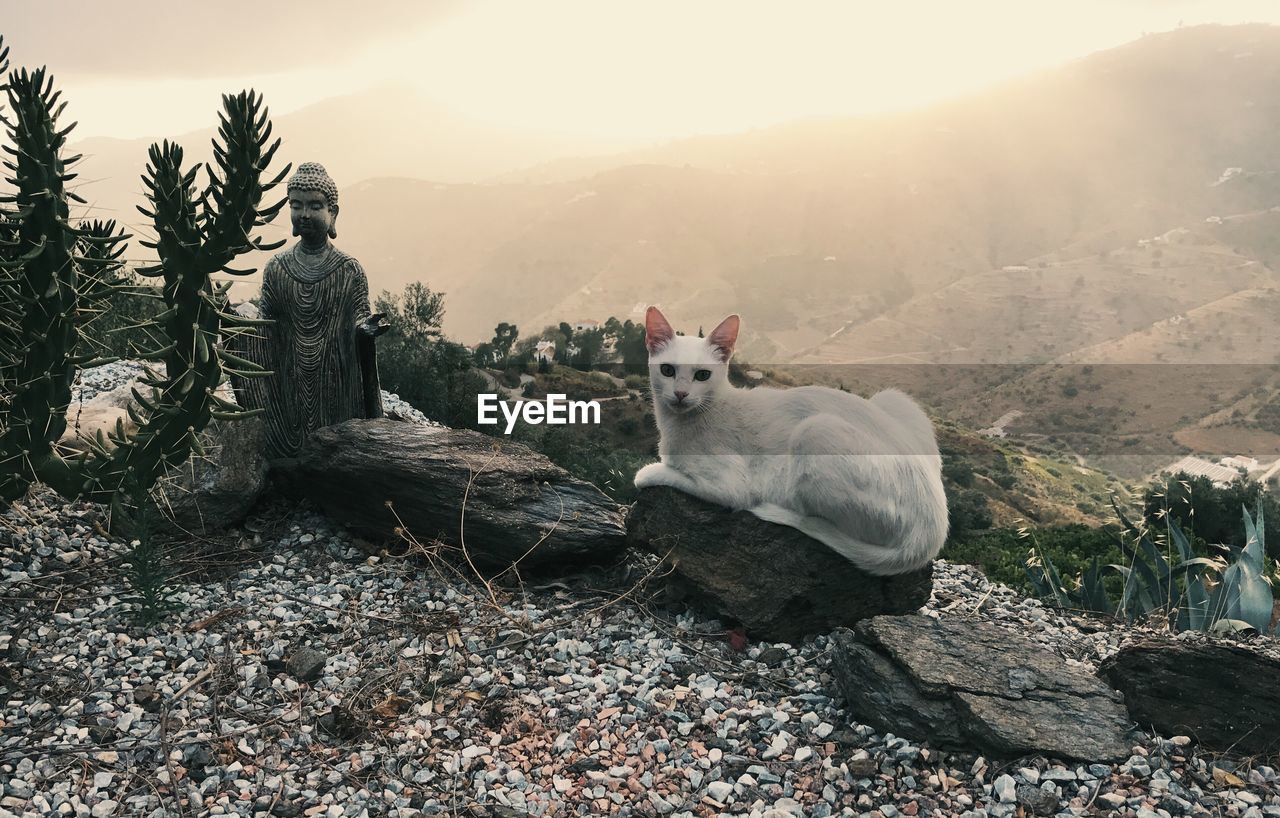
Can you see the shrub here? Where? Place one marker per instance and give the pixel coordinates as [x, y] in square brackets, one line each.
[510, 377]
[609, 467]
[967, 511]
[1209, 513]
[958, 472]
[1002, 553]
[416, 362]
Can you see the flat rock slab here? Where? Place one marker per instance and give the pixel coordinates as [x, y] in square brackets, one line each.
[1225, 696]
[971, 685]
[519, 505]
[778, 583]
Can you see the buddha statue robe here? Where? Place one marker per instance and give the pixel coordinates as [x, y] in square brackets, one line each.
[325, 368]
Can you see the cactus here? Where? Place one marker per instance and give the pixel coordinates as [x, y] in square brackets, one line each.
[40, 288]
[1181, 588]
[55, 277]
[1243, 598]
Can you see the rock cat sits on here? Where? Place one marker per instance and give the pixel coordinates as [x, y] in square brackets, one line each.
[863, 476]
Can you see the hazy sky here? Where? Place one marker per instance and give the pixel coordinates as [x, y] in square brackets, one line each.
[645, 70]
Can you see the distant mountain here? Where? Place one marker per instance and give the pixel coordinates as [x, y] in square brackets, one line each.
[386, 131]
[816, 227]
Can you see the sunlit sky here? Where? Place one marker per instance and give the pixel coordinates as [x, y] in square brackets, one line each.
[645, 70]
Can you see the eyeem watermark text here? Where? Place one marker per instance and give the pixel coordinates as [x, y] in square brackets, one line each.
[556, 410]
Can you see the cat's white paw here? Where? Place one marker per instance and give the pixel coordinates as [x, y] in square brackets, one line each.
[658, 474]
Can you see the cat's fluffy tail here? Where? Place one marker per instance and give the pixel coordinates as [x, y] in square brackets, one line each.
[880, 560]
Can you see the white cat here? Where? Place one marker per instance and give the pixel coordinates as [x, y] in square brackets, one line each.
[862, 476]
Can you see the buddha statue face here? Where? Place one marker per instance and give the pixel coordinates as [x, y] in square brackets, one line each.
[313, 217]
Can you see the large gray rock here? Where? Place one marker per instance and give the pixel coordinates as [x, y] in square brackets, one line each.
[778, 583]
[971, 685]
[1225, 696]
[104, 414]
[519, 506]
[219, 488]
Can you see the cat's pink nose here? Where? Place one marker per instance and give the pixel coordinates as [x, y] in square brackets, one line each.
[680, 396]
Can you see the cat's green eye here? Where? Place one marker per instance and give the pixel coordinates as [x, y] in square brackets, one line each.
[667, 370]
[702, 375]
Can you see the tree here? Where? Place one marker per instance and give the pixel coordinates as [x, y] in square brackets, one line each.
[419, 364]
[522, 353]
[504, 335]
[415, 315]
[635, 357]
[485, 354]
[589, 342]
[967, 510]
[1212, 513]
[958, 472]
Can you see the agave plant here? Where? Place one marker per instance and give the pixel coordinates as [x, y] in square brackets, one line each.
[54, 276]
[1189, 592]
[1243, 596]
[1088, 594]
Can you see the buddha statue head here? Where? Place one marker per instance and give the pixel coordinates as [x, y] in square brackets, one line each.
[313, 204]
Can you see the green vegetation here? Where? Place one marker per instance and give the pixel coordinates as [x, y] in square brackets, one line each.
[151, 594]
[1170, 566]
[497, 351]
[958, 472]
[119, 324]
[1209, 513]
[967, 511]
[57, 277]
[415, 361]
[441, 378]
[577, 385]
[607, 455]
[1164, 577]
[1002, 553]
[590, 456]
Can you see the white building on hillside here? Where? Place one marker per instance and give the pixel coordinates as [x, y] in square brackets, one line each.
[1239, 461]
[1218, 473]
[545, 351]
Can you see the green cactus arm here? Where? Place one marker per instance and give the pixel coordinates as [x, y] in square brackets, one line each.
[99, 246]
[43, 293]
[196, 235]
[230, 209]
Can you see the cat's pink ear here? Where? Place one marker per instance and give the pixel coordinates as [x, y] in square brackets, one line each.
[724, 336]
[657, 332]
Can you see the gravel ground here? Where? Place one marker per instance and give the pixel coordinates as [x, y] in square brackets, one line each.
[303, 676]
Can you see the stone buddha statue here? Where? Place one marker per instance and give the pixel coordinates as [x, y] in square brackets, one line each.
[321, 345]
